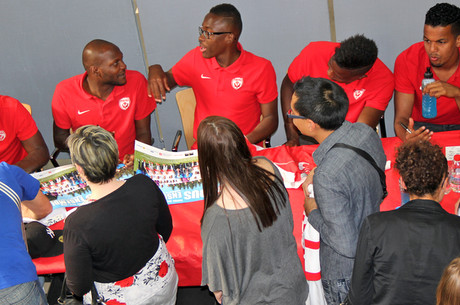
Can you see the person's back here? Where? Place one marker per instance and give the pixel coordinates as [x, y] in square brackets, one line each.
[266, 267]
[401, 254]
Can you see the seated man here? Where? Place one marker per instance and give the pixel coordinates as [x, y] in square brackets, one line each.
[346, 186]
[227, 80]
[401, 254]
[21, 143]
[106, 95]
[351, 64]
[439, 50]
[18, 281]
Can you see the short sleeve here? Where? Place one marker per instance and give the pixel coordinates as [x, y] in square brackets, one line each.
[144, 104]
[402, 82]
[29, 185]
[268, 90]
[58, 108]
[181, 70]
[25, 124]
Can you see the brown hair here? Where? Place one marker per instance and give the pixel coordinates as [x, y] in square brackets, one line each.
[448, 292]
[422, 167]
[225, 159]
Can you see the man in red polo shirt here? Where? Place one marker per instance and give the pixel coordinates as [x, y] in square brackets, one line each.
[440, 50]
[354, 66]
[106, 95]
[21, 143]
[227, 80]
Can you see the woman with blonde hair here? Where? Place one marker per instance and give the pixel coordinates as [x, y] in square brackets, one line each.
[117, 240]
[448, 292]
[249, 251]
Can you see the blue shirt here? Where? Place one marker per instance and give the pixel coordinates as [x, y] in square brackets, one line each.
[347, 189]
[16, 266]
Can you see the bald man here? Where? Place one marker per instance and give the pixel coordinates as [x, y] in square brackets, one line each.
[106, 95]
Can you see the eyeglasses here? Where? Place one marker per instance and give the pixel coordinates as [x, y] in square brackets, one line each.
[208, 35]
[293, 116]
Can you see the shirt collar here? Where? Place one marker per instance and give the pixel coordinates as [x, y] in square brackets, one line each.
[235, 67]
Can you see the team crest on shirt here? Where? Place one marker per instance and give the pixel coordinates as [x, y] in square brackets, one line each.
[358, 93]
[2, 135]
[124, 103]
[237, 83]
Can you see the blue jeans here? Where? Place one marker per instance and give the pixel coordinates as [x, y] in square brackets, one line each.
[30, 293]
[335, 291]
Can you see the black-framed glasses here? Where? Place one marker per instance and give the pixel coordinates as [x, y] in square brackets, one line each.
[293, 116]
[208, 35]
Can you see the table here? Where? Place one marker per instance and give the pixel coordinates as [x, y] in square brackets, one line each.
[185, 241]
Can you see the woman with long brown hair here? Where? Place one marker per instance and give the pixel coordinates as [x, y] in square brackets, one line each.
[448, 292]
[249, 251]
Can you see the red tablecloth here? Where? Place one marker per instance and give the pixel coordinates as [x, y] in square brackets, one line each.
[185, 241]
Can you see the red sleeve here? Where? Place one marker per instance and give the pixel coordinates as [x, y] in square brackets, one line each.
[268, 90]
[402, 82]
[181, 70]
[296, 69]
[26, 126]
[382, 86]
[144, 104]
[58, 108]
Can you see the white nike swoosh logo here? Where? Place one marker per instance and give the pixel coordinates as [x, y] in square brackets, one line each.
[205, 77]
[81, 112]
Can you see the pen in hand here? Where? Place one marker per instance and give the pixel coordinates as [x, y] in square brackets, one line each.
[405, 127]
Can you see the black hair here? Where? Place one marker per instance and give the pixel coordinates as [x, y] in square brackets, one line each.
[356, 52]
[229, 11]
[444, 14]
[322, 101]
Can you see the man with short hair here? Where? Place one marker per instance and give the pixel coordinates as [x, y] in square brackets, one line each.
[346, 186]
[440, 51]
[351, 64]
[21, 143]
[401, 254]
[227, 80]
[106, 95]
[18, 281]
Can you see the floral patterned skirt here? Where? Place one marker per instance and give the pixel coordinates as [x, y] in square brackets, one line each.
[155, 283]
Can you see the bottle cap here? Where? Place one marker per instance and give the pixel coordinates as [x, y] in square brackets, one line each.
[428, 73]
[457, 158]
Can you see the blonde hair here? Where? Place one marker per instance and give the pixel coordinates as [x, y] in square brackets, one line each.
[96, 151]
[448, 292]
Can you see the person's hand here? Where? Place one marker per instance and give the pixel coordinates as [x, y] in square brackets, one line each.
[218, 295]
[456, 207]
[310, 202]
[421, 134]
[157, 83]
[128, 161]
[309, 205]
[440, 88]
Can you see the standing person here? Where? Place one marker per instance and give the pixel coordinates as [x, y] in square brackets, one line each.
[117, 240]
[21, 143]
[346, 186]
[401, 254]
[249, 251]
[448, 292]
[106, 95]
[439, 50]
[227, 80]
[351, 64]
[18, 277]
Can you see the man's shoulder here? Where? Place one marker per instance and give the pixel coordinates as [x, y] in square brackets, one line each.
[412, 52]
[135, 75]
[71, 81]
[379, 69]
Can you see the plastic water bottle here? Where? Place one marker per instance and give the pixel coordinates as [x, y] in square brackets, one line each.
[428, 102]
[455, 175]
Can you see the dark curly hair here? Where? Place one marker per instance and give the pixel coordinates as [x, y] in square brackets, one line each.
[356, 52]
[422, 167]
[444, 14]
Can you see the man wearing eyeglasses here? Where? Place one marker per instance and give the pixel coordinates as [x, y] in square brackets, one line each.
[227, 80]
[346, 186]
[354, 66]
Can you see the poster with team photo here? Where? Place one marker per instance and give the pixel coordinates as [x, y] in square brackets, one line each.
[176, 173]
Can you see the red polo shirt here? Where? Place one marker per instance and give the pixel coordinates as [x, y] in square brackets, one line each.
[16, 125]
[410, 66]
[234, 92]
[375, 90]
[73, 107]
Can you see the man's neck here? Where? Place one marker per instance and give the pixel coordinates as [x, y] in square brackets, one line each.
[229, 57]
[93, 87]
[322, 134]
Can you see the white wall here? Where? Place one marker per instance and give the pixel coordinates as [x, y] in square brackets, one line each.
[42, 40]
